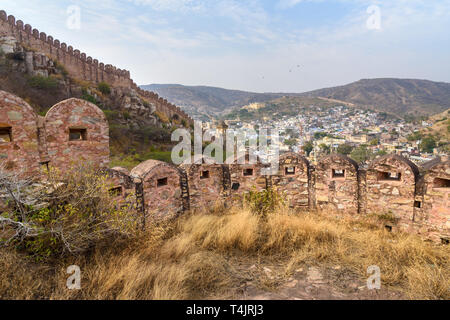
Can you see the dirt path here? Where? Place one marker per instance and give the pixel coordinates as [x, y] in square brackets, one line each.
[310, 283]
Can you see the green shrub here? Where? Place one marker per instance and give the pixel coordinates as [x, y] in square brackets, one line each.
[265, 201]
[104, 88]
[41, 82]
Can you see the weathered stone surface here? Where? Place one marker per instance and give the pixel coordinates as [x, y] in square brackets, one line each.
[162, 188]
[395, 177]
[67, 117]
[293, 180]
[19, 148]
[337, 185]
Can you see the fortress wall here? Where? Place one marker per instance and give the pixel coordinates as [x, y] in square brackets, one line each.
[417, 201]
[162, 195]
[19, 141]
[293, 180]
[337, 184]
[78, 64]
[206, 184]
[76, 131]
[391, 187]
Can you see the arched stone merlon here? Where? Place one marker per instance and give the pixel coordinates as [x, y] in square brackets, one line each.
[19, 145]
[70, 50]
[36, 33]
[20, 25]
[28, 29]
[206, 181]
[50, 40]
[102, 66]
[12, 20]
[56, 44]
[43, 36]
[337, 184]
[3, 15]
[89, 60]
[83, 56]
[64, 47]
[246, 175]
[162, 188]
[293, 179]
[77, 131]
[391, 187]
[95, 61]
[76, 53]
[434, 211]
[121, 184]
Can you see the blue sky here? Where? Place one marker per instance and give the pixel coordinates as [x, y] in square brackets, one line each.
[257, 45]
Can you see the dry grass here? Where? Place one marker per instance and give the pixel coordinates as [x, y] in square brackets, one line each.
[194, 258]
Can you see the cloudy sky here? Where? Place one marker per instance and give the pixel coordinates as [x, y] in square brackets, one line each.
[257, 45]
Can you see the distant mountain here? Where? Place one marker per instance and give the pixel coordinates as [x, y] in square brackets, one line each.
[398, 96]
[203, 101]
[402, 97]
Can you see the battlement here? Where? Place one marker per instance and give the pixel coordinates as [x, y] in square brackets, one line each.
[391, 187]
[77, 63]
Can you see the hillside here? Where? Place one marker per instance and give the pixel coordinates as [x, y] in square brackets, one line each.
[203, 102]
[403, 97]
[44, 71]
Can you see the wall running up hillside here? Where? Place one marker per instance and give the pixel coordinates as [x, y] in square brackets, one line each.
[79, 65]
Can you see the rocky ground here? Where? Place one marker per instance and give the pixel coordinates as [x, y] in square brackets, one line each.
[307, 283]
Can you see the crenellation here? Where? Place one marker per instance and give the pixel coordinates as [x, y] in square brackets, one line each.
[76, 131]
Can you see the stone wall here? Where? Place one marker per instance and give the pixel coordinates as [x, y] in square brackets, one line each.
[78, 64]
[206, 185]
[162, 196]
[391, 187]
[73, 131]
[337, 184]
[76, 130]
[294, 180]
[19, 141]
[245, 177]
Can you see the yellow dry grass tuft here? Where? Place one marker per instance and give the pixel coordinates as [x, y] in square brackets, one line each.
[192, 258]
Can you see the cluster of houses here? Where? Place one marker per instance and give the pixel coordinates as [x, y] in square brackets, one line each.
[416, 198]
[332, 127]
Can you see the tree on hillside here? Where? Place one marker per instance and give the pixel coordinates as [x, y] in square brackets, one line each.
[361, 154]
[344, 149]
[308, 147]
[428, 144]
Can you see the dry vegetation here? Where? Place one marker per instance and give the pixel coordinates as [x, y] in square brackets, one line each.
[200, 256]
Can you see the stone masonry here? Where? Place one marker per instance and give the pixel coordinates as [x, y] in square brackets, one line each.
[77, 131]
[336, 185]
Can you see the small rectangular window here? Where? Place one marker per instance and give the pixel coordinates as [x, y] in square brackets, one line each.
[162, 182]
[77, 134]
[290, 171]
[417, 204]
[338, 173]
[248, 172]
[441, 183]
[5, 134]
[235, 186]
[204, 175]
[389, 176]
[116, 191]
